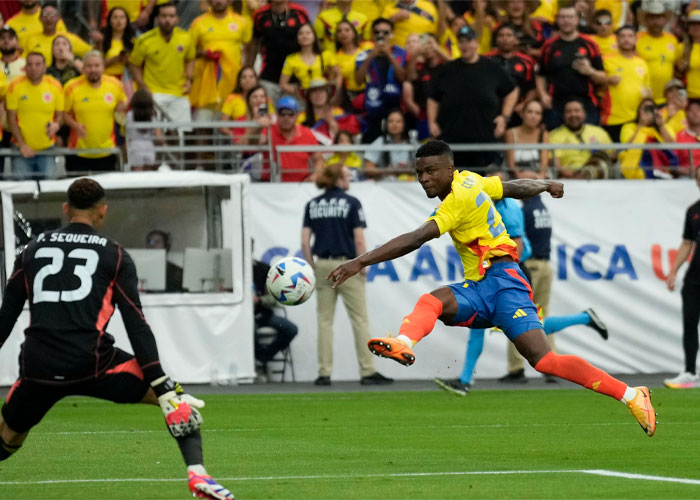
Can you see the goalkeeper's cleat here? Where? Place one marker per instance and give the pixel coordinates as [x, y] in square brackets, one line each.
[391, 348]
[685, 380]
[643, 411]
[203, 486]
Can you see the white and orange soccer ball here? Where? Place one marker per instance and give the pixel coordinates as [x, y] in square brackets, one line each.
[291, 281]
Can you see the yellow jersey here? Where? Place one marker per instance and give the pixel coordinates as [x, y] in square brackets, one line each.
[474, 224]
[294, 65]
[660, 55]
[327, 20]
[36, 106]
[676, 123]
[28, 25]
[115, 69]
[630, 159]
[226, 35]
[448, 42]
[608, 44]
[346, 63]
[163, 61]
[617, 8]
[132, 7]
[547, 10]
[372, 9]
[620, 102]
[692, 76]
[44, 43]
[3, 91]
[485, 42]
[573, 159]
[424, 22]
[93, 108]
[235, 107]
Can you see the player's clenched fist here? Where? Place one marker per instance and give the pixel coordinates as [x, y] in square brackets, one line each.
[179, 409]
[556, 189]
[343, 272]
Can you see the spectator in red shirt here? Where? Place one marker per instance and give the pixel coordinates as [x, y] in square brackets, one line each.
[690, 136]
[287, 132]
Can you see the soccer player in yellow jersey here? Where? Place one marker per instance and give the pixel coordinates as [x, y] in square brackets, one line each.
[91, 101]
[658, 49]
[34, 110]
[42, 42]
[628, 83]
[411, 16]
[162, 62]
[494, 291]
[218, 36]
[327, 20]
[27, 22]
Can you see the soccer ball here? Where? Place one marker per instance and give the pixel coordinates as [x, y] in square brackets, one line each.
[291, 281]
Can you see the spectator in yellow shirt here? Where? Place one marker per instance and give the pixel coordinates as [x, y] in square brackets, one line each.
[673, 113]
[235, 106]
[411, 16]
[309, 63]
[349, 45]
[628, 82]
[162, 62]
[570, 162]
[27, 22]
[328, 20]
[34, 110]
[91, 101]
[657, 48]
[688, 55]
[219, 36]
[43, 42]
[118, 37]
[604, 37]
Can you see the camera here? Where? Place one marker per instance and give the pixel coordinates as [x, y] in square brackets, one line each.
[380, 38]
[262, 109]
[649, 108]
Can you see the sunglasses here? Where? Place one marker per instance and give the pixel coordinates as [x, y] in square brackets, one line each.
[604, 22]
[286, 112]
[381, 32]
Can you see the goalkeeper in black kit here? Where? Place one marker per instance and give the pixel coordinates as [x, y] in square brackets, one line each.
[73, 278]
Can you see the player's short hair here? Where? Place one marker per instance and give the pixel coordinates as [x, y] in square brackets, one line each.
[85, 193]
[435, 147]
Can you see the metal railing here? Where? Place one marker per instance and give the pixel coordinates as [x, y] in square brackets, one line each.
[62, 152]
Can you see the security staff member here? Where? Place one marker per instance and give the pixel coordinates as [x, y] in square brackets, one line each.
[337, 222]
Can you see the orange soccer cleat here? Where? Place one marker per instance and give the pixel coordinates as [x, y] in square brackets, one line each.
[392, 348]
[642, 410]
[203, 486]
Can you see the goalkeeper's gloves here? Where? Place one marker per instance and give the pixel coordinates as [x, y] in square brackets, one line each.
[179, 409]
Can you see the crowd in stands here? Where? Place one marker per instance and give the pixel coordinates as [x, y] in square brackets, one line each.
[374, 72]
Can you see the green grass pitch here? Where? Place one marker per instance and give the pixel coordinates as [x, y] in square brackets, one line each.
[386, 445]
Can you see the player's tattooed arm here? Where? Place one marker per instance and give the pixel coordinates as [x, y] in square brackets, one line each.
[527, 188]
[392, 249]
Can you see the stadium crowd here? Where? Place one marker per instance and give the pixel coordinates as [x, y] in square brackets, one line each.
[379, 72]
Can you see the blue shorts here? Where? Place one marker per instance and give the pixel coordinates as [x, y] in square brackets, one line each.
[502, 299]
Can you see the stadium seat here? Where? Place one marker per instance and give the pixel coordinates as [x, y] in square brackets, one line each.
[282, 360]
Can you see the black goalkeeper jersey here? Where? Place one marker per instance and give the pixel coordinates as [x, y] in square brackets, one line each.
[74, 277]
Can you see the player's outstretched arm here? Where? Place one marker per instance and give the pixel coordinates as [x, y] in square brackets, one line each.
[527, 188]
[399, 246]
[13, 301]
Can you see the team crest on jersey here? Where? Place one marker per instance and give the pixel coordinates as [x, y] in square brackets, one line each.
[640, 71]
[47, 97]
[582, 51]
[180, 48]
[292, 23]
[670, 47]
[109, 98]
[232, 27]
[519, 68]
[211, 29]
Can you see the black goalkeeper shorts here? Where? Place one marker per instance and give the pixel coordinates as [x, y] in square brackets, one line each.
[28, 401]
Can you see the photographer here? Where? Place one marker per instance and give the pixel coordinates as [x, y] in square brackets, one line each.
[383, 69]
[648, 129]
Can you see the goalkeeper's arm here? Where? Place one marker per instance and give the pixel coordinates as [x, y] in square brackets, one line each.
[13, 301]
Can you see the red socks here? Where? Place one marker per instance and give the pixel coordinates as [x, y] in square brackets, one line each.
[580, 371]
[422, 319]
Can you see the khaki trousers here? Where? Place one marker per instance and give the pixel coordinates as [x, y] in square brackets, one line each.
[353, 294]
[541, 274]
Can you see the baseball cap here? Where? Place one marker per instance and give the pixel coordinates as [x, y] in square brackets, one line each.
[287, 102]
[675, 83]
[653, 6]
[694, 16]
[466, 32]
[8, 29]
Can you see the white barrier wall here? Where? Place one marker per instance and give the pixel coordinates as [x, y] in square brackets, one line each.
[611, 248]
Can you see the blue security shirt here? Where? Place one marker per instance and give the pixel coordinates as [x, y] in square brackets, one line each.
[332, 218]
[514, 221]
[538, 227]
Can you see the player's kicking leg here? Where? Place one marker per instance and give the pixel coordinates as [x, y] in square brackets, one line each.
[533, 346]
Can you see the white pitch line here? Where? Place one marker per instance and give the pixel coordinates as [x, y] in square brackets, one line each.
[598, 472]
[269, 429]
